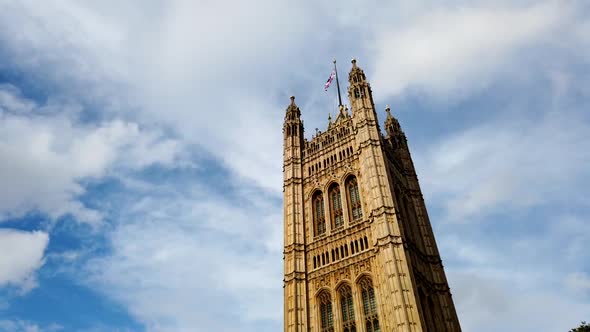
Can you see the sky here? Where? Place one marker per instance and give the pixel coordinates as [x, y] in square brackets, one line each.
[140, 153]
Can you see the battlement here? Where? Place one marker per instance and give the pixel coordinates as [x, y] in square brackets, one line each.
[336, 132]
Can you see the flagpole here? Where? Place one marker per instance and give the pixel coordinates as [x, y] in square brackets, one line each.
[337, 85]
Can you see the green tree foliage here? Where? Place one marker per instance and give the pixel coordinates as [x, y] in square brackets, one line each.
[585, 327]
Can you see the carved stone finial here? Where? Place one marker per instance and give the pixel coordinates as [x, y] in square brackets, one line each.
[388, 110]
[329, 118]
[292, 99]
[353, 62]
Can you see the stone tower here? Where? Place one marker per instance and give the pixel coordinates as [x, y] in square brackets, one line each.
[359, 249]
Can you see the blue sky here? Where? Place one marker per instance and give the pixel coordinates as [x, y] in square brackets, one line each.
[140, 153]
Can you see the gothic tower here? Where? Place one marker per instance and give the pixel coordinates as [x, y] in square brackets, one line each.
[359, 249]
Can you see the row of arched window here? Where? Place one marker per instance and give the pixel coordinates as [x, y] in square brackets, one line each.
[342, 133]
[344, 153]
[338, 253]
[345, 303]
[336, 213]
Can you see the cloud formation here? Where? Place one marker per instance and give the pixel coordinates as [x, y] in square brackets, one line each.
[22, 256]
[516, 166]
[453, 51]
[178, 263]
[45, 157]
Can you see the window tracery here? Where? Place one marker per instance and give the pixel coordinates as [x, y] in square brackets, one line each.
[369, 305]
[326, 315]
[347, 309]
[336, 206]
[354, 197]
[318, 213]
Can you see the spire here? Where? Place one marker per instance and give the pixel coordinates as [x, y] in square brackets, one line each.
[293, 125]
[293, 112]
[356, 74]
[359, 91]
[394, 130]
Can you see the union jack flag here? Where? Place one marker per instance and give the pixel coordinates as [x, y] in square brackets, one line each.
[327, 85]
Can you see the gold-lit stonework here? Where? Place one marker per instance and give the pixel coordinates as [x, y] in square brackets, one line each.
[359, 251]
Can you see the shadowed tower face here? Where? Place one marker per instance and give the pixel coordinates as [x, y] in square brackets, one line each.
[359, 249]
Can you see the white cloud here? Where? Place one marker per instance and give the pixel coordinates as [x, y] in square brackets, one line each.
[486, 303]
[167, 66]
[12, 101]
[178, 263]
[459, 49]
[498, 273]
[514, 165]
[44, 158]
[22, 255]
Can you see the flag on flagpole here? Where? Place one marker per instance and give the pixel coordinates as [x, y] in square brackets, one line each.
[327, 85]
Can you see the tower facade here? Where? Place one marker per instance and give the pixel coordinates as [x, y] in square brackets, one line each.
[359, 250]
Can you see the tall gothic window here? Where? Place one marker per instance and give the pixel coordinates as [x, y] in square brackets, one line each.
[356, 211]
[347, 309]
[369, 305]
[336, 206]
[318, 213]
[326, 315]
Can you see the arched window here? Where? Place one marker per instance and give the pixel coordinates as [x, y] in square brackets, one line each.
[326, 315]
[354, 199]
[369, 305]
[336, 206]
[347, 308]
[318, 213]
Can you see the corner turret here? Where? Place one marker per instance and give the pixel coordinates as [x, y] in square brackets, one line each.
[293, 126]
[359, 90]
[395, 134]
